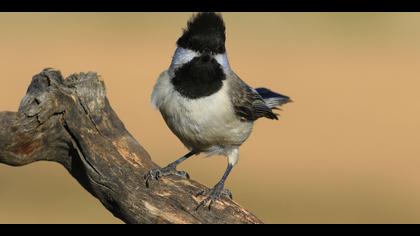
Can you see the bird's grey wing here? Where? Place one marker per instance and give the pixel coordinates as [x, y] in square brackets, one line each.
[247, 103]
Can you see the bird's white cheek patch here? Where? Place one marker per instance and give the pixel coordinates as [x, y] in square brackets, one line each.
[182, 56]
[223, 61]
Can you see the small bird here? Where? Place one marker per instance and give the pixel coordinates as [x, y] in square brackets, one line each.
[205, 104]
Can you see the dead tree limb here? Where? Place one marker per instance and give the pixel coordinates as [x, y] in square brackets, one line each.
[70, 121]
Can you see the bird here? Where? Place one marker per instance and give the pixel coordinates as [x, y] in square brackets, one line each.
[206, 104]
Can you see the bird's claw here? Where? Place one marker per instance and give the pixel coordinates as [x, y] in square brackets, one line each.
[156, 174]
[213, 196]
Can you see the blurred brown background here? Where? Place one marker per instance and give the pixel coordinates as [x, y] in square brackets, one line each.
[346, 151]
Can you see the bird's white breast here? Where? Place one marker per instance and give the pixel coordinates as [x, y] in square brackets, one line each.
[206, 123]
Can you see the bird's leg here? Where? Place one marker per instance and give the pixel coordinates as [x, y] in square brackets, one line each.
[168, 170]
[217, 191]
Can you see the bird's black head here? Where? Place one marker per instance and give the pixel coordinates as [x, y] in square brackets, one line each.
[205, 33]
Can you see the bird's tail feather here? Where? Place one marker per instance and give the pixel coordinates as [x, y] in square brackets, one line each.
[273, 99]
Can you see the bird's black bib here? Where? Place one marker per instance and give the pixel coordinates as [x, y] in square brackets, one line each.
[200, 77]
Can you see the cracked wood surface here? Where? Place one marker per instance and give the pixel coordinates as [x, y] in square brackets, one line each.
[70, 121]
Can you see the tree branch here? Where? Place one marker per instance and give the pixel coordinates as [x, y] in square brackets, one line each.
[70, 121]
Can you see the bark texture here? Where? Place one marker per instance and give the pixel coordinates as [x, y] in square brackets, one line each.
[70, 121]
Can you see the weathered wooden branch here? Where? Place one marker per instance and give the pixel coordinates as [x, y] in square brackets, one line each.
[70, 121]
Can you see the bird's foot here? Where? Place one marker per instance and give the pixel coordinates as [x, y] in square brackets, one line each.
[214, 195]
[156, 174]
